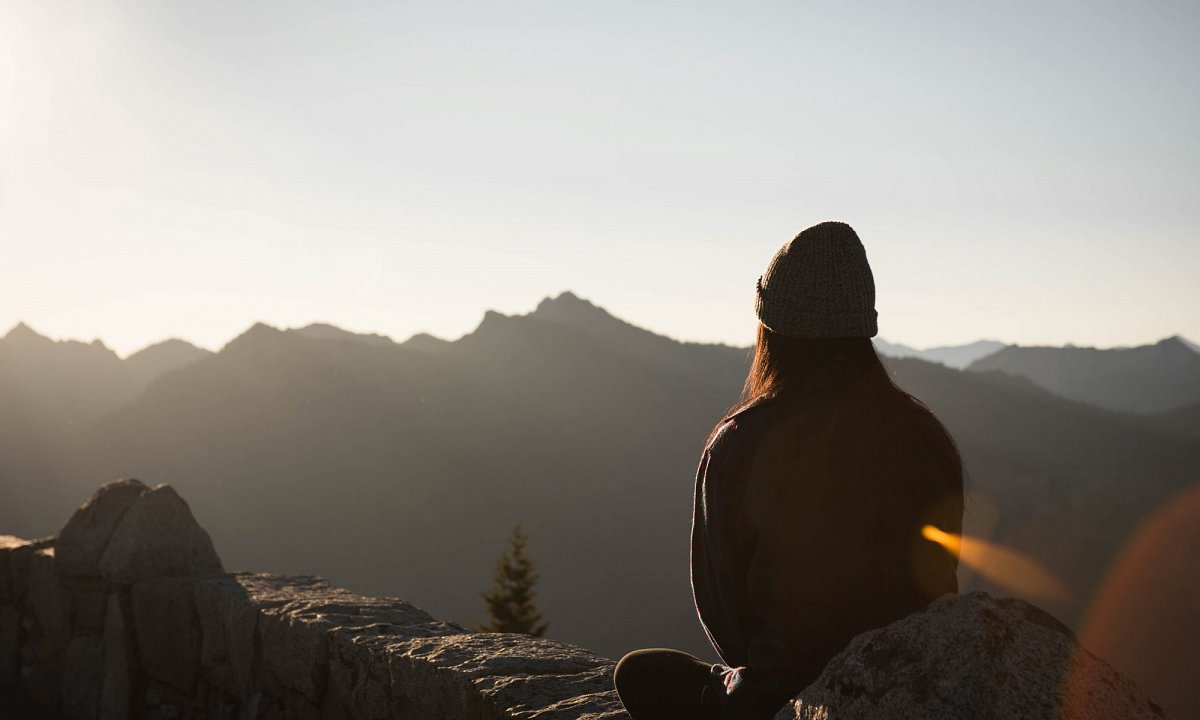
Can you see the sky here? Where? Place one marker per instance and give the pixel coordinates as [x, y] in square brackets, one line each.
[1022, 171]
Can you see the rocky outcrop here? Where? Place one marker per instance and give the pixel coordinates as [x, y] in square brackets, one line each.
[128, 614]
[971, 656]
[85, 536]
[158, 537]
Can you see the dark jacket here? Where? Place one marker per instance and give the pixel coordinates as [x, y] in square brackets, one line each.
[800, 542]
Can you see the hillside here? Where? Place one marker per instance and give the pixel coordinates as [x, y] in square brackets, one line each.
[401, 467]
[1185, 419]
[1145, 379]
[955, 356]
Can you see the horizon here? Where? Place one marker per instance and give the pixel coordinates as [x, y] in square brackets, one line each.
[126, 353]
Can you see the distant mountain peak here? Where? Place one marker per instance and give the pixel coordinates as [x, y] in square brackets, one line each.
[955, 356]
[1177, 342]
[568, 307]
[154, 361]
[426, 343]
[325, 331]
[21, 331]
[257, 332]
[170, 345]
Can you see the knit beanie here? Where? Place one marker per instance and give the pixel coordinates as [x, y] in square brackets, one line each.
[819, 285]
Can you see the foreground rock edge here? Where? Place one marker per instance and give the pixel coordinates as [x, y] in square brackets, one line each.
[971, 656]
[143, 633]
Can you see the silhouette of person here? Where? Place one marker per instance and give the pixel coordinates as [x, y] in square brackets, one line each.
[810, 499]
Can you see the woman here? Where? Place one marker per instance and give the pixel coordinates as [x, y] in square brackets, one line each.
[810, 499]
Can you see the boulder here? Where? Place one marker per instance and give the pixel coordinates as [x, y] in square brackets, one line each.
[18, 555]
[8, 543]
[90, 605]
[83, 677]
[48, 617]
[167, 631]
[85, 536]
[227, 624]
[48, 602]
[158, 537]
[10, 644]
[970, 656]
[116, 693]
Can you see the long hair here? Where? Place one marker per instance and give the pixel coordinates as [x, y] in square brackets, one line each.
[782, 363]
[847, 411]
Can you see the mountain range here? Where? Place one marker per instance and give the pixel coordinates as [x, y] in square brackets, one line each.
[1149, 379]
[400, 468]
[955, 356]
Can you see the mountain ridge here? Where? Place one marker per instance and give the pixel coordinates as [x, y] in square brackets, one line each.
[1145, 379]
[580, 310]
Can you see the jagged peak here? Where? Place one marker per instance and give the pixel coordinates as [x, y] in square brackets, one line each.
[256, 332]
[569, 307]
[21, 335]
[491, 318]
[1177, 342]
[21, 331]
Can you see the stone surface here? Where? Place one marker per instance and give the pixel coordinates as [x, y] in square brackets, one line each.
[48, 607]
[116, 693]
[90, 606]
[86, 535]
[970, 656]
[18, 554]
[8, 543]
[297, 617]
[502, 676]
[47, 599]
[181, 640]
[10, 644]
[167, 631]
[158, 537]
[359, 673]
[228, 620]
[83, 677]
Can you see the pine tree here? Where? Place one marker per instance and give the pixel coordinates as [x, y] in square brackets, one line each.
[510, 604]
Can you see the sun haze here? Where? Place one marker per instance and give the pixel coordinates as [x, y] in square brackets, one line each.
[1023, 172]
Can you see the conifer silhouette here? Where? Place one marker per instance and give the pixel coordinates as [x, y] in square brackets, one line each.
[510, 603]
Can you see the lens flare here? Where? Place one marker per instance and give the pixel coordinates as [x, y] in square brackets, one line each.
[1006, 568]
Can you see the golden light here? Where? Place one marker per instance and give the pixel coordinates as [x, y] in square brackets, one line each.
[1145, 618]
[1006, 568]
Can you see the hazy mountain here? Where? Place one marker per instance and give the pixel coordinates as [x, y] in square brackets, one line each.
[394, 470]
[321, 331]
[59, 381]
[1144, 379]
[426, 343]
[1184, 419]
[154, 361]
[50, 393]
[1189, 343]
[955, 356]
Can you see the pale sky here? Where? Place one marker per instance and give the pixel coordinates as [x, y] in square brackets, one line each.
[1022, 171]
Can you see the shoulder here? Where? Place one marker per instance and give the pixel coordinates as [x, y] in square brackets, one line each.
[744, 424]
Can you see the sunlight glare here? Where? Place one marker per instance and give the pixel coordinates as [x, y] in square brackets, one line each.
[1007, 568]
